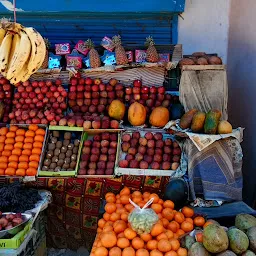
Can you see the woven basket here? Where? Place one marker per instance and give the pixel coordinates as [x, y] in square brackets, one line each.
[45, 62]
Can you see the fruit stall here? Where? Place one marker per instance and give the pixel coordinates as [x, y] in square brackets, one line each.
[131, 138]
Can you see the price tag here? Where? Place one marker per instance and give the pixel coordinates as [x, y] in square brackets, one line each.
[29, 178]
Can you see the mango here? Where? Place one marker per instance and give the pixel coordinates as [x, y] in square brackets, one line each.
[198, 122]
[211, 121]
[186, 119]
[238, 241]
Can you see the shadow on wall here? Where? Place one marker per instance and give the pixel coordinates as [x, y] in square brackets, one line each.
[242, 86]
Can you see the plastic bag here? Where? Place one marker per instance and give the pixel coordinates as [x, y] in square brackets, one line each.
[142, 219]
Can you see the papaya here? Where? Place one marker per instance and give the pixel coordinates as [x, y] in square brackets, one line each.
[226, 253]
[251, 233]
[197, 249]
[215, 239]
[245, 221]
[116, 110]
[211, 121]
[186, 119]
[187, 241]
[248, 253]
[198, 122]
[238, 241]
[224, 127]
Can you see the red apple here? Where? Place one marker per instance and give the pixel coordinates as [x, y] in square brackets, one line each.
[128, 90]
[161, 90]
[137, 83]
[153, 89]
[88, 81]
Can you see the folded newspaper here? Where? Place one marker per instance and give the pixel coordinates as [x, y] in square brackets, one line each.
[202, 141]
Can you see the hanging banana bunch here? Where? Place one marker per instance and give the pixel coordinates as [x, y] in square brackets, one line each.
[22, 51]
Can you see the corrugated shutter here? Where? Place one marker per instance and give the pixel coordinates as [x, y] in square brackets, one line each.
[134, 28]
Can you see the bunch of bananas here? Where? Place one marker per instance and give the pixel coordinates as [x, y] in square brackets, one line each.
[22, 51]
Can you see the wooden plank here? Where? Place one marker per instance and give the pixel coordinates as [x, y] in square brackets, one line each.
[203, 67]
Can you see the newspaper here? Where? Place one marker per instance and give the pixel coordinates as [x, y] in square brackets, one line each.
[202, 141]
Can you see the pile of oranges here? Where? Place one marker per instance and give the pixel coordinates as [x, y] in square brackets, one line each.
[20, 150]
[115, 237]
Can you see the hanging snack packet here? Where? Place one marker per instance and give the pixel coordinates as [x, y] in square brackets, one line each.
[142, 219]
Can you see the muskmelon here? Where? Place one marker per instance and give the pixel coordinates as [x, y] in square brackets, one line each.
[238, 241]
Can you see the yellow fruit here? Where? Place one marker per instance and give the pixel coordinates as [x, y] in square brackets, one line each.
[159, 117]
[137, 114]
[224, 127]
[116, 110]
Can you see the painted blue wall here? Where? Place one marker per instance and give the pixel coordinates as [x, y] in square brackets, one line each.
[98, 5]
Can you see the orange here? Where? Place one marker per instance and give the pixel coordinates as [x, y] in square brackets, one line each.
[2, 138]
[109, 194]
[107, 229]
[120, 235]
[7, 153]
[108, 239]
[199, 221]
[173, 226]
[129, 251]
[155, 196]
[187, 226]
[156, 253]
[115, 251]
[171, 253]
[187, 212]
[30, 134]
[199, 237]
[110, 208]
[21, 172]
[168, 204]
[33, 127]
[3, 165]
[142, 252]
[157, 229]
[136, 194]
[146, 237]
[17, 152]
[35, 158]
[137, 199]
[125, 191]
[13, 165]
[119, 208]
[1, 147]
[29, 140]
[3, 131]
[27, 152]
[20, 132]
[168, 214]
[137, 243]
[165, 222]
[31, 172]
[23, 165]
[19, 138]
[10, 171]
[152, 244]
[8, 147]
[180, 232]
[164, 245]
[119, 226]
[146, 195]
[161, 236]
[157, 207]
[33, 164]
[189, 220]
[36, 151]
[175, 244]
[40, 131]
[123, 242]
[28, 146]
[99, 230]
[13, 128]
[9, 141]
[4, 159]
[160, 201]
[101, 251]
[124, 199]
[39, 138]
[179, 217]
[130, 233]
[2, 171]
[114, 216]
[23, 158]
[169, 234]
[109, 199]
[101, 223]
[18, 145]
[10, 135]
[106, 216]
[129, 207]
[182, 252]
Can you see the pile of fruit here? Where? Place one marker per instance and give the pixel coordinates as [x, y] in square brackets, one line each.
[20, 150]
[39, 102]
[99, 155]
[5, 99]
[62, 151]
[9, 221]
[149, 151]
[208, 123]
[22, 51]
[237, 240]
[200, 58]
[115, 236]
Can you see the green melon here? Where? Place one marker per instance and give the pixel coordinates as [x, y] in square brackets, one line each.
[197, 249]
[238, 241]
[215, 239]
[245, 221]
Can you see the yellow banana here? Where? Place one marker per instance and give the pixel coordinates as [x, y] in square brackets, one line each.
[2, 34]
[5, 51]
[14, 51]
[38, 52]
[18, 78]
[21, 56]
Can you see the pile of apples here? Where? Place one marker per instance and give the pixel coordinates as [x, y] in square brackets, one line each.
[5, 97]
[150, 151]
[39, 102]
[99, 155]
[150, 97]
[92, 95]
[89, 121]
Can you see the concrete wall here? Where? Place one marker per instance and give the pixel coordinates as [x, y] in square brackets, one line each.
[242, 85]
[205, 27]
